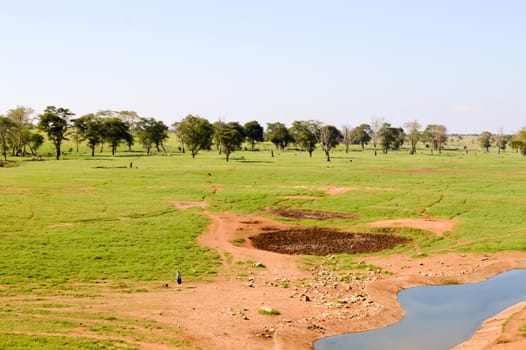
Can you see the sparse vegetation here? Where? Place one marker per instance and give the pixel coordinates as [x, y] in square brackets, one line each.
[265, 310]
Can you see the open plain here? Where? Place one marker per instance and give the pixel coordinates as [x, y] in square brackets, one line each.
[90, 247]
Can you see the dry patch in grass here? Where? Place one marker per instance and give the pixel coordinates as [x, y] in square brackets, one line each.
[436, 226]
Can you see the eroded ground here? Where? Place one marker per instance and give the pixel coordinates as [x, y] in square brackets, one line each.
[329, 297]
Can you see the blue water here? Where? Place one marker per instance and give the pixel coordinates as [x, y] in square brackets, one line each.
[438, 317]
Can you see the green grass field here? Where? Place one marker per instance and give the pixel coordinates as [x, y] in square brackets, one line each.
[76, 225]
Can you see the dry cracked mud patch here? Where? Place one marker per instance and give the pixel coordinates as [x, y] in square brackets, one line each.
[324, 241]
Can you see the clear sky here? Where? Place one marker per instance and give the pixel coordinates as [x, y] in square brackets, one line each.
[460, 63]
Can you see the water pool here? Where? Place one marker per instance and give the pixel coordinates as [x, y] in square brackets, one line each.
[438, 317]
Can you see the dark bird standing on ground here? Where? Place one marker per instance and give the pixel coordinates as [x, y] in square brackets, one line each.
[178, 277]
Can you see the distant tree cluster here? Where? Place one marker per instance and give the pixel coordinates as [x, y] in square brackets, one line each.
[19, 136]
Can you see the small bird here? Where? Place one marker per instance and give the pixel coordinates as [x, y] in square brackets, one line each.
[178, 277]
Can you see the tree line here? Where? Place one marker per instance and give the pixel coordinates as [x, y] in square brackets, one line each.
[21, 136]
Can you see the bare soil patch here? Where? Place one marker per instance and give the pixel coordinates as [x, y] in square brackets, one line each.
[312, 214]
[323, 241]
[436, 226]
[329, 190]
[301, 197]
[186, 205]
[14, 189]
[61, 224]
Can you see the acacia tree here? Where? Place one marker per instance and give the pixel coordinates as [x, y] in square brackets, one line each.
[330, 137]
[115, 130]
[196, 133]
[374, 130]
[500, 141]
[519, 142]
[91, 128]
[55, 122]
[390, 137]
[360, 135]
[305, 134]
[253, 133]
[278, 134]
[20, 129]
[485, 140]
[436, 135]
[413, 134]
[6, 128]
[346, 137]
[152, 133]
[230, 138]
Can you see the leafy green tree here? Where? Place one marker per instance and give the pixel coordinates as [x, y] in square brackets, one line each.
[390, 137]
[519, 142]
[91, 129]
[436, 135]
[20, 130]
[360, 135]
[55, 123]
[152, 133]
[196, 133]
[278, 134]
[330, 137]
[413, 134]
[305, 134]
[132, 119]
[115, 131]
[230, 138]
[35, 141]
[6, 128]
[501, 140]
[485, 140]
[253, 133]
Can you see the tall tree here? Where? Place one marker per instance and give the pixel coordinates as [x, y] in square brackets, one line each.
[91, 129]
[115, 131]
[485, 140]
[436, 135]
[131, 118]
[413, 134]
[346, 137]
[196, 133]
[278, 134]
[374, 130]
[6, 128]
[20, 130]
[35, 141]
[55, 122]
[305, 134]
[500, 140]
[390, 137]
[360, 135]
[253, 133]
[519, 141]
[230, 138]
[330, 137]
[152, 133]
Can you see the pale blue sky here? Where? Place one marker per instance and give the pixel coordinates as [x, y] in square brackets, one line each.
[459, 63]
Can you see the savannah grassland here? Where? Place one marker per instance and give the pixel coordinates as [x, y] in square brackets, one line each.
[82, 226]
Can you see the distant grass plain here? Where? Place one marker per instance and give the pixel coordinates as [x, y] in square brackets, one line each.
[82, 225]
